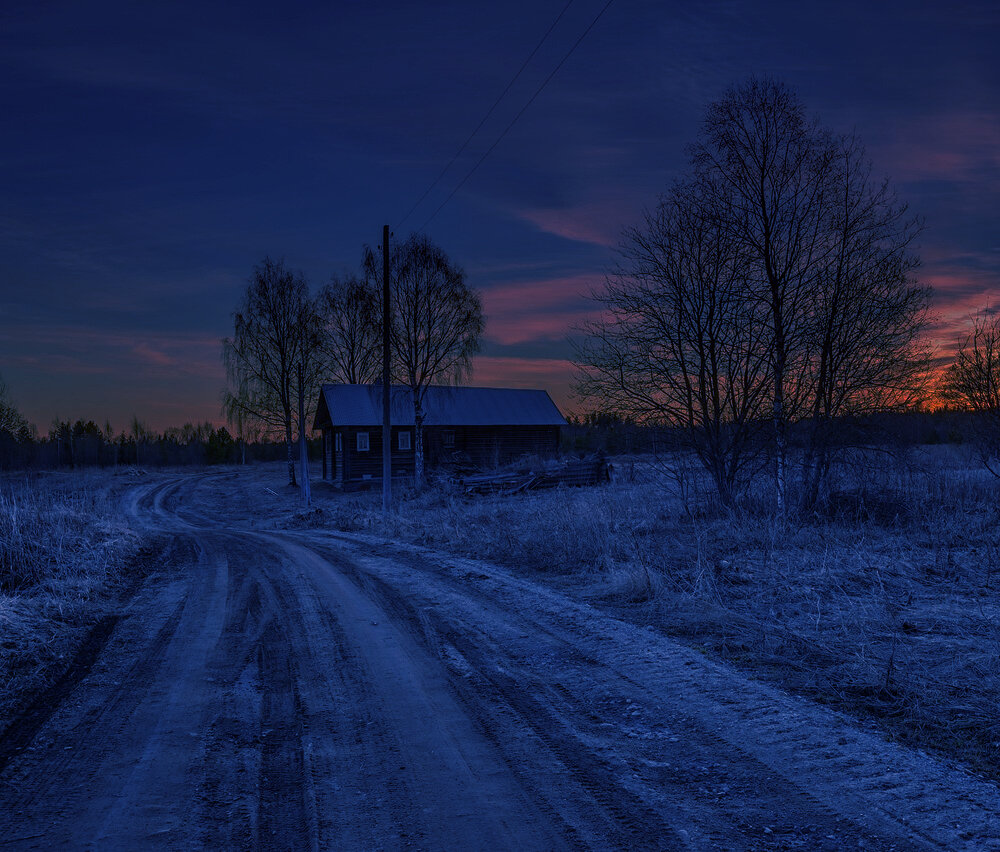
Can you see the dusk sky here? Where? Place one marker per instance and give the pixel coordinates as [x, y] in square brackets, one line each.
[151, 154]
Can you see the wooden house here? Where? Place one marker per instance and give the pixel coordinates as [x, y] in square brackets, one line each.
[484, 427]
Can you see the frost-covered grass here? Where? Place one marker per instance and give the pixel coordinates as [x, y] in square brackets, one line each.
[886, 604]
[64, 548]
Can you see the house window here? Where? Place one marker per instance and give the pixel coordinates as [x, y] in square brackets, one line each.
[362, 442]
[404, 440]
[449, 439]
[338, 442]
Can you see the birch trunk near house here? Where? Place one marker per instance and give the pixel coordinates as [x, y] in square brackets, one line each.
[437, 322]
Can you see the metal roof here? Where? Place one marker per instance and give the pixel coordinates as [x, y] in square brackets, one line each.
[361, 405]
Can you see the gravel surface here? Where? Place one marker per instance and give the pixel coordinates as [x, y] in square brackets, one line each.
[310, 690]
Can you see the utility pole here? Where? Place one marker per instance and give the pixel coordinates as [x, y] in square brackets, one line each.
[303, 447]
[386, 387]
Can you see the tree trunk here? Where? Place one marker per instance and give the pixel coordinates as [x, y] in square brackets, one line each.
[303, 448]
[779, 400]
[815, 466]
[418, 445]
[779, 459]
[290, 453]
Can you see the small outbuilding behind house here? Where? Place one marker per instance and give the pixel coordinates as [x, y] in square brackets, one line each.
[484, 427]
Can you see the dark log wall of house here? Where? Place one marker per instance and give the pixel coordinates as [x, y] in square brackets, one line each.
[367, 464]
[484, 446]
[489, 446]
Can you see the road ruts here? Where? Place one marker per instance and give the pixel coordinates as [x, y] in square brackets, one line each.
[725, 731]
[309, 690]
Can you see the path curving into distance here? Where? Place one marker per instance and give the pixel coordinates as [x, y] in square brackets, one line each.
[310, 690]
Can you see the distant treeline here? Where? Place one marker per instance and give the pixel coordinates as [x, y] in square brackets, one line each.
[607, 433]
[85, 444]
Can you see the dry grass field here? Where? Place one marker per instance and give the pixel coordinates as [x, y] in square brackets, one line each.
[884, 606]
[65, 553]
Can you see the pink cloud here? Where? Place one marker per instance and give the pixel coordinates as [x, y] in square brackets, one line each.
[959, 294]
[527, 329]
[79, 350]
[956, 146]
[598, 222]
[152, 356]
[538, 310]
[542, 293]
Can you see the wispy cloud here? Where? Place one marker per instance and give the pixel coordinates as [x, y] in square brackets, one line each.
[78, 350]
[156, 357]
[954, 147]
[546, 309]
[598, 223]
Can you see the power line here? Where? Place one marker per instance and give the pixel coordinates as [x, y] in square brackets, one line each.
[489, 112]
[531, 100]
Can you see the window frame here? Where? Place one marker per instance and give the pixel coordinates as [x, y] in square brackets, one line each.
[404, 433]
[367, 442]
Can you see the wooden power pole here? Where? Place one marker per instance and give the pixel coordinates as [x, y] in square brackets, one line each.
[303, 446]
[386, 387]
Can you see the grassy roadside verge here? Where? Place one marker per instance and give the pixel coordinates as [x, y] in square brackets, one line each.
[886, 606]
[66, 554]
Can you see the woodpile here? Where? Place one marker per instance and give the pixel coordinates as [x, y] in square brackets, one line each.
[589, 471]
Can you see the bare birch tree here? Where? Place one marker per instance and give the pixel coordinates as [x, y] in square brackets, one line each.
[11, 419]
[820, 267]
[973, 382]
[351, 330]
[682, 342]
[865, 350]
[773, 169]
[437, 321]
[275, 332]
[248, 428]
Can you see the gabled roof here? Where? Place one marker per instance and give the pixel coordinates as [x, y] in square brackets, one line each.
[361, 405]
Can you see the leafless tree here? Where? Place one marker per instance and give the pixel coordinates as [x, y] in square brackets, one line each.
[141, 434]
[351, 330]
[973, 382]
[108, 436]
[819, 310]
[248, 427]
[864, 346]
[11, 420]
[437, 321]
[275, 333]
[682, 342]
[772, 168]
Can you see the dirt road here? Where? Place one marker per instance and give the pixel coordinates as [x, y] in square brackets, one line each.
[317, 691]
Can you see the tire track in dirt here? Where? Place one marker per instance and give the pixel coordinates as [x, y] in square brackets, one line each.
[840, 770]
[252, 779]
[513, 712]
[599, 761]
[438, 784]
[23, 729]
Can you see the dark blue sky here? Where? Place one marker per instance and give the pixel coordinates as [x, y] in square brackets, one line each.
[152, 154]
